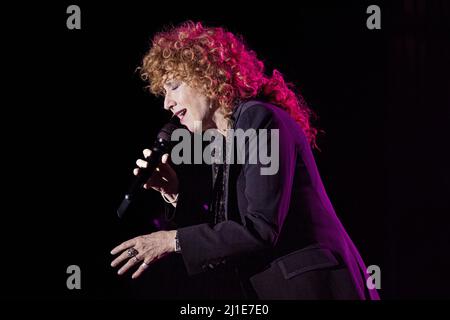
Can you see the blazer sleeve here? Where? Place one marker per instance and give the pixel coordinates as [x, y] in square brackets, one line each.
[205, 246]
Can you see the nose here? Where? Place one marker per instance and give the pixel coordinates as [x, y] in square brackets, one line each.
[169, 103]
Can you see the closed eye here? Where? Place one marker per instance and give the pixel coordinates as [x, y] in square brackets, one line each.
[172, 86]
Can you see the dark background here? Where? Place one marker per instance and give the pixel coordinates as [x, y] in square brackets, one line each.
[77, 115]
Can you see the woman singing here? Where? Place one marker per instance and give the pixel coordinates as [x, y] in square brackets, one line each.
[266, 235]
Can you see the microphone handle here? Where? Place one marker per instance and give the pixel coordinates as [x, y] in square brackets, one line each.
[145, 173]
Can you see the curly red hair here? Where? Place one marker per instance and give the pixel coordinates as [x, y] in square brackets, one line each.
[219, 64]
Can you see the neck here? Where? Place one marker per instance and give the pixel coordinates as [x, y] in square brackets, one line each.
[221, 123]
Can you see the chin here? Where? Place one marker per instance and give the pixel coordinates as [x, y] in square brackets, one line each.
[190, 128]
[194, 126]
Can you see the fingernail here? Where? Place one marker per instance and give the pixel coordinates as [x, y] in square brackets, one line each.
[119, 272]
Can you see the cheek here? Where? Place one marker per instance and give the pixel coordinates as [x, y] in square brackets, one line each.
[204, 110]
[198, 107]
[196, 114]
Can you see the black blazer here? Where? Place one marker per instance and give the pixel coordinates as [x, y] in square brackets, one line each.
[281, 236]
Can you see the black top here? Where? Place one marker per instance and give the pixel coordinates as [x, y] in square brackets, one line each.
[280, 231]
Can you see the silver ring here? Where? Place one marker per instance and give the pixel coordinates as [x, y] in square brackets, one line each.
[144, 265]
[132, 252]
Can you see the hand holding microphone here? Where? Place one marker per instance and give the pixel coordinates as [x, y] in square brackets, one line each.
[154, 170]
[164, 178]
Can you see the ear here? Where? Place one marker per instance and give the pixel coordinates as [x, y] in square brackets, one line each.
[213, 103]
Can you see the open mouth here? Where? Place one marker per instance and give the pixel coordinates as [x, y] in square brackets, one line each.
[180, 114]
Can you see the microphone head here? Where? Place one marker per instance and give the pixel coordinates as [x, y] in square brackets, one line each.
[166, 132]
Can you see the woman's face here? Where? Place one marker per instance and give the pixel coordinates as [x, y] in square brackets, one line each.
[188, 104]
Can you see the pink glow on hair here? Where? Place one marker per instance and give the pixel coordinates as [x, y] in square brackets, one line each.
[220, 64]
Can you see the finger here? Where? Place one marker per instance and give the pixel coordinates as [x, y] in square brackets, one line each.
[125, 245]
[164, 158]
[120, 258]
[131, 262]
[141, 163]
[137, 170]
[144, 265]
[156, 183]
[153, 181]
[147, 153]
[166, 169]
[157, 187]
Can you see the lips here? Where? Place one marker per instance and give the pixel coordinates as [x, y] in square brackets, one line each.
[180, 114]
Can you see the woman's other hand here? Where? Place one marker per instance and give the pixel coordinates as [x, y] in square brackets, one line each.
[143, 250]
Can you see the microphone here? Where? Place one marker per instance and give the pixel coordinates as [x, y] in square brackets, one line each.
[162, 145]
